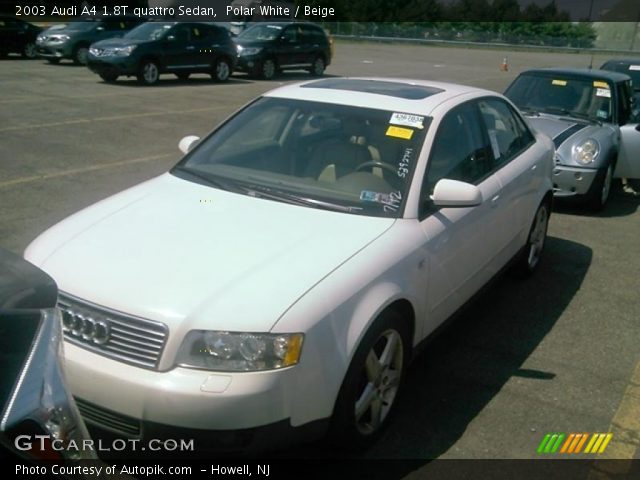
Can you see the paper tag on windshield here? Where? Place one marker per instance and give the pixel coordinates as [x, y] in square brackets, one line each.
[603, 92]
[399, 132]
[407, 120]
[562, 83]
[634, 67]
[599, 84]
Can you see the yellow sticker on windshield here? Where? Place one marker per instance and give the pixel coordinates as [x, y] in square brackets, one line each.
[122, 25]
[399, 132]
[562, 83]
[196, 32]
[598, 84]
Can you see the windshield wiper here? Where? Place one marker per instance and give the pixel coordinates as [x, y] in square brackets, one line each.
[530, 111]
[261, 191]
[209, 180]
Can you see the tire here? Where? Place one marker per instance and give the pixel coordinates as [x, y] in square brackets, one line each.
[29, 51]
[530, 256]
[317, 67]
[370, 388]
[600, 190]
[53, 61]
[109, 77]
[183, 75]
[268, 69]
[80, 55]
[221, 70]
[149, 72]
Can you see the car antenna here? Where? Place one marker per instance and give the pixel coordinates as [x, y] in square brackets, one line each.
[591, 62]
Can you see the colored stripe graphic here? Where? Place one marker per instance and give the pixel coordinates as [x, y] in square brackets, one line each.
[574, 443]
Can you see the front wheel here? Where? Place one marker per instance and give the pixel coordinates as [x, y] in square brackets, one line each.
[532, 252]
[600, 190]
[221, 70]
[149, 73]
[369, 391]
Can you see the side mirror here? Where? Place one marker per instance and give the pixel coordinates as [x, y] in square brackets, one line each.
[171, 38]
[453, 193]
[100, 28]
[187, 143]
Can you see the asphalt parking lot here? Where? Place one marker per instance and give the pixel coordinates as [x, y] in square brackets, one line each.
[555, 353]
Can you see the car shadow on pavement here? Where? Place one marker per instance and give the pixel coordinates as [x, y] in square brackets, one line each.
[620, 204]
[470, 361]
[169, 82]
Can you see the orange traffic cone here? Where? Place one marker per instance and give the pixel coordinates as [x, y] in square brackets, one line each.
[504, 66]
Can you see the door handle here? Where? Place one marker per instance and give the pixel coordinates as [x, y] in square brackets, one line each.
[534, 167]
[494, 201]
[191, 47]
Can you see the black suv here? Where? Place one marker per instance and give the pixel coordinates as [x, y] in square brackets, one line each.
[153, 48]
[72, 40]
[267, 48]
[17, 36]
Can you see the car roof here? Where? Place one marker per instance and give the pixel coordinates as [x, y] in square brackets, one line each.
[401, 94]
[580, 72]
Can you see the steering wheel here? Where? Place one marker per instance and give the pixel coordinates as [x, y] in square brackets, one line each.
[383, 165]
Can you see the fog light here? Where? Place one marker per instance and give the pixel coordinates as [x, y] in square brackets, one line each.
[578, 176]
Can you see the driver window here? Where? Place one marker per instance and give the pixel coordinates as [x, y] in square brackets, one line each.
[290, 35]
[459, 151]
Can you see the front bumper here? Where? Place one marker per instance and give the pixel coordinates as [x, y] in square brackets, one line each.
[58, 50]
[112, 65]
[572, 181]
[233, 408]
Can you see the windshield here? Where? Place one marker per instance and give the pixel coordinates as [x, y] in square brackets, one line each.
[320, 155]
[81, 26]
[261, 32]
[562, 95]
[148, 31]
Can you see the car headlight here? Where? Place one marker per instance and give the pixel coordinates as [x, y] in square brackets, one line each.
[239, 352]
[124, 51]
[248, 50]
[59, 39]
[586, 152]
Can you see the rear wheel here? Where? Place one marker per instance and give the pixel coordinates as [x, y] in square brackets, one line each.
[80, 55]
[368, 395]
[221, 70]
[29, 50]
[149, 73]
[317, 67]
[532, 252]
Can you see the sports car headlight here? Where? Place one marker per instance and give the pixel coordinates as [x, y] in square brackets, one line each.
[586, 152]
[239, 352]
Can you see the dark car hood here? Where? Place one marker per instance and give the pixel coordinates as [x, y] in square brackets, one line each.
[118, 42]
[23, 285]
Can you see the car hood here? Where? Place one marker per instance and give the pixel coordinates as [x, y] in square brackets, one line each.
[118, 42]
[560, 129]
[192, 256]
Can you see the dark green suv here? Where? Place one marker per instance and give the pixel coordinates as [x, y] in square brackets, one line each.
[268, 48]
[153, 48]
[72, 41]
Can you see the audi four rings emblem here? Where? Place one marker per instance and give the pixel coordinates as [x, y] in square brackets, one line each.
[84, 327]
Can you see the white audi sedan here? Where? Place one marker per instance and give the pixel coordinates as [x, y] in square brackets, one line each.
[275, 283]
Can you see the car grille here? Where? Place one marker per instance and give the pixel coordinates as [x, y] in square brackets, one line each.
[107, 419]
[132, 340]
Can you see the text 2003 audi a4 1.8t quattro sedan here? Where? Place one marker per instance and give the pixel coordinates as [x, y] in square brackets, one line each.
[279, 277]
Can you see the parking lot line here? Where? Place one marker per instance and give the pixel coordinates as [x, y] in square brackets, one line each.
[75, 171]
[111, 118]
